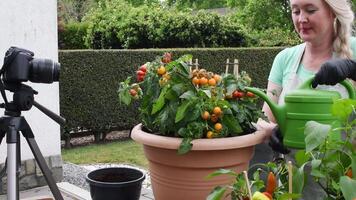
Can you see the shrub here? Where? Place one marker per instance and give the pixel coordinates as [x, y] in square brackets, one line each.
[118, 25]
[72, 36]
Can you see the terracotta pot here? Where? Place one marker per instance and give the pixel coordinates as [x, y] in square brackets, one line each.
[178, 177]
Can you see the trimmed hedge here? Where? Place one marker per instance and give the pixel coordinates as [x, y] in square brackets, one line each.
[89, 81]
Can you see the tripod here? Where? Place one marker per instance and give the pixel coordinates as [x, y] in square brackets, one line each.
[11, 125]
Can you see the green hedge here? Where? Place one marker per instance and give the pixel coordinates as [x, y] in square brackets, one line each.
[89, 80]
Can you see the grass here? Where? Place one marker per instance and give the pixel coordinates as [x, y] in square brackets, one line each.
[123, 152]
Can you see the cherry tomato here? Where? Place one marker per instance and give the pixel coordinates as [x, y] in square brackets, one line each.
[143, 68]
[217, 77]
[212, 82]
[210, 134]
[140, 73]
[237, 94]
[140, 78]
[250, 94]
[205, 115]
[133, 92]
[161, 70]
[203, 81]
[217, 111]
[214, 118]
[218, 127]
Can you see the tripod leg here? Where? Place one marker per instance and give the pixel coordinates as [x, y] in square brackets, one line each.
[12, 164]
[44, 168]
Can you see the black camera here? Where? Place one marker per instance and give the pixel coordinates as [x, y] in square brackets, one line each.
[20, 66]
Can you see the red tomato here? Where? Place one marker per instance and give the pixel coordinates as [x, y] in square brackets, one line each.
[133, 92]
[140, 73]
[237, 94]
[250, 94]
[143, 68]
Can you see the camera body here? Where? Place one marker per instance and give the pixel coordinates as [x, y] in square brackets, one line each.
[21, 66]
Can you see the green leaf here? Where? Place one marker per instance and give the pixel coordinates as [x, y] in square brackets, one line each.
[301, 157]
[348, 186]
[298, 179]
[188, 95]
[207, 93]
[342, 108]
[231, 88]
[182, 110]
[353, 165]
[178, 88]
[316, 134]
[217, 193]
[232, 124]
[315, 169]
[185, 146]
[221, 172]
[158, 105]
[125, 97]
[287, 196]
[335, 185]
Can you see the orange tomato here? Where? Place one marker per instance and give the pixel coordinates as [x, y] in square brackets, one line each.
[217, 77]
[205, 115]
[210, 134]
[217, 111]
[161, 70]
[349, 173]
[218, 127]
[203, 81]
[196, 81]
[212, 82]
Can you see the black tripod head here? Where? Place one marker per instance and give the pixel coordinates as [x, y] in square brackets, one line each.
[20, 66]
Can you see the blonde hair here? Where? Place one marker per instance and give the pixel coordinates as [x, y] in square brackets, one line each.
[344, 18]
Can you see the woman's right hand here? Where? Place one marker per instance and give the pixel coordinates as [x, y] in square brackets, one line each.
[273, 137]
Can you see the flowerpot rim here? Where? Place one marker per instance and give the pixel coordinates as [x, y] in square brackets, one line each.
[114, 184]
[165, 142]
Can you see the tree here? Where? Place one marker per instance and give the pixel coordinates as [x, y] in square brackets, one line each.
[143, 2]
[263, 14]
[74, 10]
[196, 4]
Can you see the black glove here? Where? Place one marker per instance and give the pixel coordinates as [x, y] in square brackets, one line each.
[276, 141]
[335, 71]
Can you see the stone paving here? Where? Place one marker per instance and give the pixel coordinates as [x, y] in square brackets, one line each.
[74, 186]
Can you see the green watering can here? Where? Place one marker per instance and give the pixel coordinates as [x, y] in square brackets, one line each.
[302, 105]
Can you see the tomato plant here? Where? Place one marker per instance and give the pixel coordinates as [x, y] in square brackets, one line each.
[332, 163]
[178, 101]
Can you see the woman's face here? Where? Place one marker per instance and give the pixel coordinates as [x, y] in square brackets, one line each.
[313, 20]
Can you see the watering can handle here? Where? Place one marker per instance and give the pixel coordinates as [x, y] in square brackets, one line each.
[347, 84]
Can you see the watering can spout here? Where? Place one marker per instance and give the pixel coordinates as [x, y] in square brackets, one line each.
[278, 111]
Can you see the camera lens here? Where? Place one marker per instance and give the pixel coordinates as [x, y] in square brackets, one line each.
[44, 71]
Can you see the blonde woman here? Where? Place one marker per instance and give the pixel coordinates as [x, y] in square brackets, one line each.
[325, 27]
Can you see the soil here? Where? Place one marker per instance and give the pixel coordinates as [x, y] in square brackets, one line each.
[86, 140]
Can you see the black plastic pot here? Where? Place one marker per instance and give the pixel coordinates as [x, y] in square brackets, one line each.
[116, 183]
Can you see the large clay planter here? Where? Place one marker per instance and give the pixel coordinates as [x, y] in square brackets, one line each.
[182, 177]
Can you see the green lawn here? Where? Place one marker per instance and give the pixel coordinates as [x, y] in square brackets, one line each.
[123, 152]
